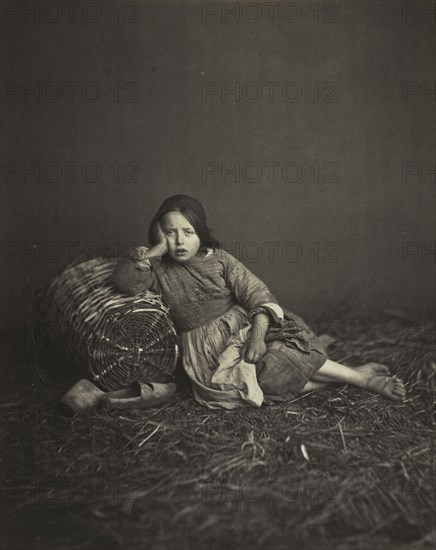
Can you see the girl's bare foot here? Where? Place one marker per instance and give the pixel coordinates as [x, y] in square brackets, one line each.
[389, 386]
[379, 381]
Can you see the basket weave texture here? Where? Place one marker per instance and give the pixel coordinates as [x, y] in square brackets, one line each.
[113, 338]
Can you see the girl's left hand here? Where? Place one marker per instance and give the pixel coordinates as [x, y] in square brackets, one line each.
[253, 350]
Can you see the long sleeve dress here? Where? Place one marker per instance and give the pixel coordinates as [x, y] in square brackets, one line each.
[213, 298]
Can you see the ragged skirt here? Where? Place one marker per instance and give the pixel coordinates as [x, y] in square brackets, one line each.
[222, 379]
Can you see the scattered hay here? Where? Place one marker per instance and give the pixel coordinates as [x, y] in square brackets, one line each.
[335, 469]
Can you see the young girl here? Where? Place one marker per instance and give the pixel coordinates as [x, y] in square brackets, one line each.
[238, 345]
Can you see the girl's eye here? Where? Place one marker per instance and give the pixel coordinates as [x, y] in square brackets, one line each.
[189, 233]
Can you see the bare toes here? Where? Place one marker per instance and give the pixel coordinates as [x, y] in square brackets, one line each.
[390, 387]
[400, 390]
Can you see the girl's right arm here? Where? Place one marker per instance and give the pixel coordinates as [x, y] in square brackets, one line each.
[134, 274]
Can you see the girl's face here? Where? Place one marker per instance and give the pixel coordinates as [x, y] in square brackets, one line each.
[183, 241]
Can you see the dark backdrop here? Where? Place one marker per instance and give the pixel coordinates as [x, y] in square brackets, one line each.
[330, 126]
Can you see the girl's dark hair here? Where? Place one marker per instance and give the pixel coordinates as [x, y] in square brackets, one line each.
[203, 231]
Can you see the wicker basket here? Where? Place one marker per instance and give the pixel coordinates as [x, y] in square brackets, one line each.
[112, 338]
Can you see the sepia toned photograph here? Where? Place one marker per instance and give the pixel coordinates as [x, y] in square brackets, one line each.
[218, 255]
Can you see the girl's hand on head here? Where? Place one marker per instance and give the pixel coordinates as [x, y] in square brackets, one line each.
[253, 350]
[159, 235]
[161, 248]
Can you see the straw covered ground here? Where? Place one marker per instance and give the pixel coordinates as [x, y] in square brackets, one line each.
[336, 469]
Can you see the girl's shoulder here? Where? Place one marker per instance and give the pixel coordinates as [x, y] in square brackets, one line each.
[221, 255]
[222, 260]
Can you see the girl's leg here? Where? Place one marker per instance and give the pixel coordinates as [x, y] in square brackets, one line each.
[368, 368]
[372, 377]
